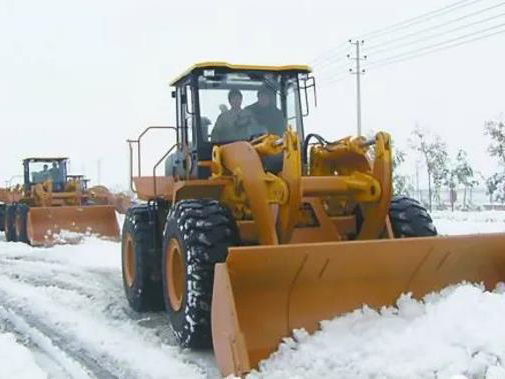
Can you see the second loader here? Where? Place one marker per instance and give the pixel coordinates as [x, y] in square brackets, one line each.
[257, 228]
[51, 202]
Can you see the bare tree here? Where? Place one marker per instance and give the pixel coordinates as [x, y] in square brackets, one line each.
[434, 153]
[495, 183]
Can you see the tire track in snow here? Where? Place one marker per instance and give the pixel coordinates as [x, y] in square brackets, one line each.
[50, 355]
[95, 293]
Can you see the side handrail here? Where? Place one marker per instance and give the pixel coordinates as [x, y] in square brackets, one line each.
[156, 166]
[138, 144]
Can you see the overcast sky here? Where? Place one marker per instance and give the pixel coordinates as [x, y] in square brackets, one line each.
[77, 78]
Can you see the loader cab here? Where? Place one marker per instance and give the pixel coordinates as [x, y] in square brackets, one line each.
[272, 99]
[38, 170]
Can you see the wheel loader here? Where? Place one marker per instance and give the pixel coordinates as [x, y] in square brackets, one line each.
[51, 201]
[257, 228]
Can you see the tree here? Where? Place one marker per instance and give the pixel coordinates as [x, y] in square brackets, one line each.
[464, 174]
[401, 183]
[496, 182]
[496, 130]
[434, 152]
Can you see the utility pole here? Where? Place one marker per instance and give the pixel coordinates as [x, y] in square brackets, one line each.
[358, 71]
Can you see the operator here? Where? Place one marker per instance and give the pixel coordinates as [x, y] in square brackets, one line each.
[55, 176]
[266, 113]
[44, 174]
[224, 129]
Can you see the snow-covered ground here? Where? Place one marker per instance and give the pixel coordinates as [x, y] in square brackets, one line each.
[63, 314]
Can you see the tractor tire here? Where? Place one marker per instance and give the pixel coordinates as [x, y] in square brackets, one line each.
[2, 217]
[197, 236]
[20, 224]
[141, 259]
[10, 223]
[410, 219]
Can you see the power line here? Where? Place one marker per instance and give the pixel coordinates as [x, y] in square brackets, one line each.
[414, 55]
[328, 54]
[461, 27]
[454, 20]
[326, 58]
[418, 19]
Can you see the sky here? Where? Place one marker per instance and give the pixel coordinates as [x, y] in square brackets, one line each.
[79, 78]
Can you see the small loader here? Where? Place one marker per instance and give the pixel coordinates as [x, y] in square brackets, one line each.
[257, 228]
[51, 201]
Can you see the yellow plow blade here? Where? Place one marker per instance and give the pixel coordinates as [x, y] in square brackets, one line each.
[45, 223]
[262, 293]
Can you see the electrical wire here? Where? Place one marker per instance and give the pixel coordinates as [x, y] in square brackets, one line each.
[418, 19]
[409, 35]
[414, 55]
[448, 31]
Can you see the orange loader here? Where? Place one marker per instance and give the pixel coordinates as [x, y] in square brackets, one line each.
[257, 228]
[50, 202]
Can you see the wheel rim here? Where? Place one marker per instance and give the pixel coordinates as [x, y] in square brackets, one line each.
[175, 275]
[129, 262]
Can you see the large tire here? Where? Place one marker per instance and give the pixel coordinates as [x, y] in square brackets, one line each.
[20, 223]
[10, 223]
[141, 259]
[2, 217]
[197, 236]
[410, 219]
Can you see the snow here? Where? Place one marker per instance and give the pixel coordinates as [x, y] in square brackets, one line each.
[63, 314]
[457, 333]
[16, 361]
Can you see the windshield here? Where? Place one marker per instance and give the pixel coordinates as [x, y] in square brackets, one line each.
[42, 171]
[242, 105]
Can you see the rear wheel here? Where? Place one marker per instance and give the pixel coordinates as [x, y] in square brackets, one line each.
[141, 259]
[10, 223]
[410, 219]
[197, 236]
[21, 219]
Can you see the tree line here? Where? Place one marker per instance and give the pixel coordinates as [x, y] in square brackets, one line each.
[451, 173]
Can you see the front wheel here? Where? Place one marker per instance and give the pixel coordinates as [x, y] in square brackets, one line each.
[21, 223]
[10, 223]
[197, 236]
[2, 217]
[410, 219]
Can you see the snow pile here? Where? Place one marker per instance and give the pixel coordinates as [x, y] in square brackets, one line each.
[459, 222]
[458, 333]
[93, 252]
[16, 361]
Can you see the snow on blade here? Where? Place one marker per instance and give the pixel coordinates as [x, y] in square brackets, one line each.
[16, 361]
[457, 333]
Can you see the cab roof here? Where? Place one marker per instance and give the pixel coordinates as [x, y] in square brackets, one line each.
[41, 159]
[239, 67]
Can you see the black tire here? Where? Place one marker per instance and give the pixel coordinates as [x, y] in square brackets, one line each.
[20, 223]
[2, 217]
[10, 223]
[410, 219]
[142, 244]
[203, 230]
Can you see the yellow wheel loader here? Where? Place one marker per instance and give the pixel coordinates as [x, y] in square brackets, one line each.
[51, 201]
[256, 228]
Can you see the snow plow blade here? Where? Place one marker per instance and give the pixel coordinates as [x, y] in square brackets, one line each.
[262, 293]
[44, 224]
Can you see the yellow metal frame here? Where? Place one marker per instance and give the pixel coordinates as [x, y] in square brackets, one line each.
[240, 67]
